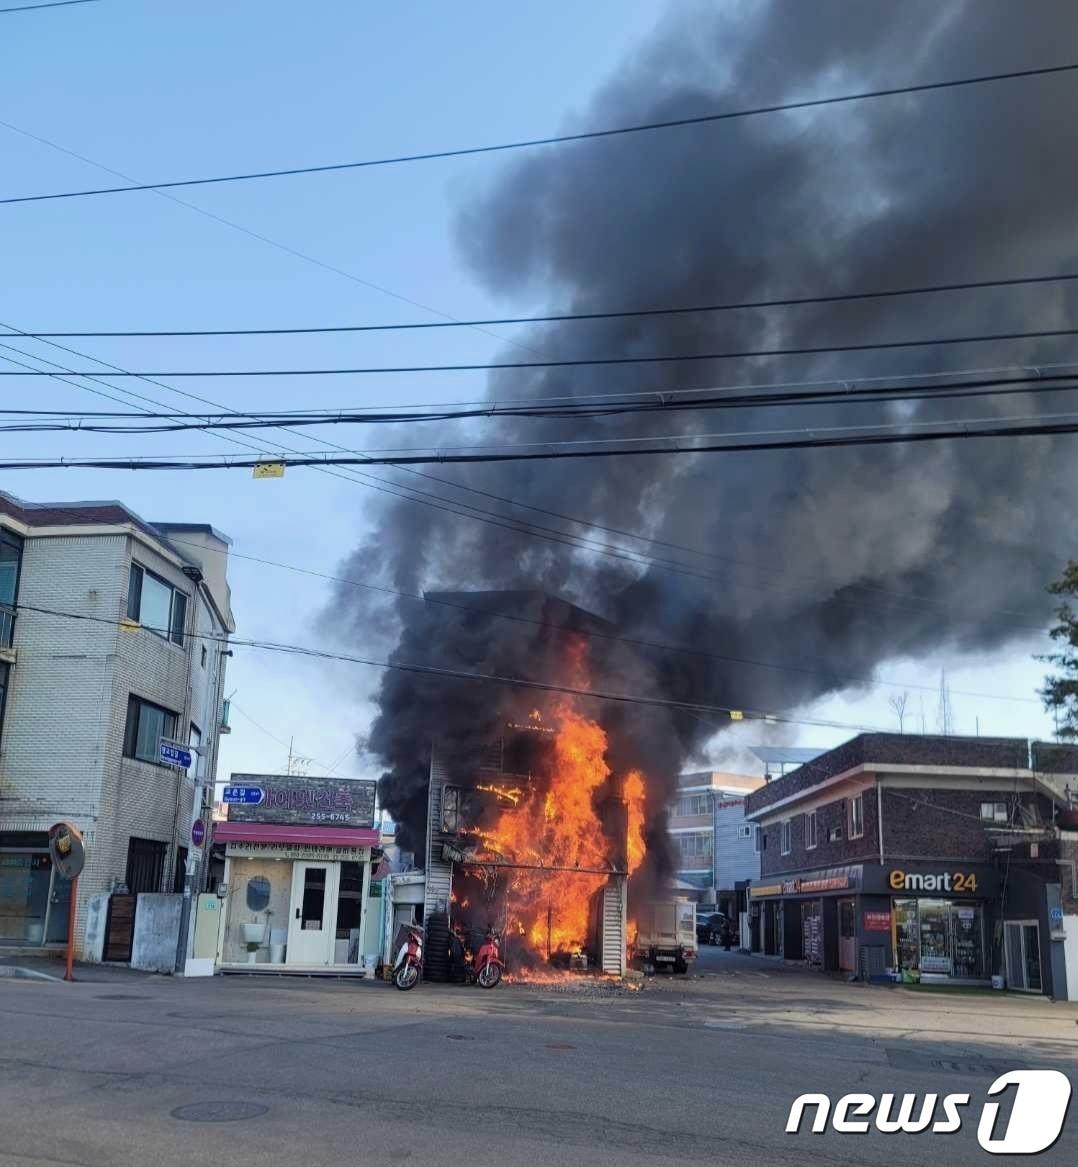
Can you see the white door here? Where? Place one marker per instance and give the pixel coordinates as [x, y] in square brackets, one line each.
[1023, 949]
[313, 913]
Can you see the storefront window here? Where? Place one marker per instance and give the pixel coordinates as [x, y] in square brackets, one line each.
[940, 937]
[935, 940]
[25, 880]
[907, 939]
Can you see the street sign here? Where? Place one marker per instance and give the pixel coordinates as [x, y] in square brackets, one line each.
[175, 754]
[244, 795]
[66, 850]
[198, 832]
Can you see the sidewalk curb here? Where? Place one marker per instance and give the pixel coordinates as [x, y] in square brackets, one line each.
[15, 971]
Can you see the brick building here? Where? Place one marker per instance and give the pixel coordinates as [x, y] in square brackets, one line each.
[113, 635]
[947, 858]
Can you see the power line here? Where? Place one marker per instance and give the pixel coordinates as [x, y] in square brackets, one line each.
[505, 405]
[49, 4]
[825, 438]
[516, 526]
[462, 674]
[243, 420]
[565, 317]
[557, 139]
[575, 362]
[455, 506]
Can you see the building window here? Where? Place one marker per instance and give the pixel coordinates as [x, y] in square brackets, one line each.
[787, 836]
[994, 812]
[695, 846]
[691, 804]
[810, 830]
[856, 816]
[145, 865]
[147, 724]
[156, 604]
[5, 673]
[203, 656]
[10, 559]
[757, 839]
[744, 831]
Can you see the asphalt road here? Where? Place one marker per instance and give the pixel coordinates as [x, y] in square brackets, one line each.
[687, 1071]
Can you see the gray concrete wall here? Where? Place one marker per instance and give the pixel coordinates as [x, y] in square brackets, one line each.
[157, 927]
[93, 941]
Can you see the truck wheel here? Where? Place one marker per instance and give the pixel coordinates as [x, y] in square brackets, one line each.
[680, 967]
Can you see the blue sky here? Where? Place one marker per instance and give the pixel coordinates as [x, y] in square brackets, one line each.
[172, 91]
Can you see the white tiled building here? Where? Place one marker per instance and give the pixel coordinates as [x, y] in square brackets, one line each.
[113, 634]
[700, 820]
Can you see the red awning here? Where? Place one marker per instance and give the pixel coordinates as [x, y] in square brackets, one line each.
[315, 836]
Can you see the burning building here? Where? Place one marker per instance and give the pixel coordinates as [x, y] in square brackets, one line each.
[533, 831]
[759, 581]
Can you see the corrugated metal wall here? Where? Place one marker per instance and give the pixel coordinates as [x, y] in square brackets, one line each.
[614, 924]
[735, 857]
[439, 880]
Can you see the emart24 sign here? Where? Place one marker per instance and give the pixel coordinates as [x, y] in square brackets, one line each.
[935, 881]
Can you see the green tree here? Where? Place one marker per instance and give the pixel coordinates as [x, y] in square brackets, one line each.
[1060, 692]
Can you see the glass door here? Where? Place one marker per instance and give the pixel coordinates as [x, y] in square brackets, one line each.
[935, 938]
[312, 913]
[847, 935]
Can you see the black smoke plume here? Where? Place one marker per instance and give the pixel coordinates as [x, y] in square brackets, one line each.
[831, 561]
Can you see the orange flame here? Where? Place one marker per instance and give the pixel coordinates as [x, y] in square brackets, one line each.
[633, 794]
[558, 827]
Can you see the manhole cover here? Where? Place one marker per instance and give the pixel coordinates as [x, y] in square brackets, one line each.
[218, 1111]
[120, 997]
[559, 1045]
[460, 1037]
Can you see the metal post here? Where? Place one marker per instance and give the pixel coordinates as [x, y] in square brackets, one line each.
[188, 881]
[69, 974]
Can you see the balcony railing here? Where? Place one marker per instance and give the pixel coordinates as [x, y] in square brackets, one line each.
[7, 625]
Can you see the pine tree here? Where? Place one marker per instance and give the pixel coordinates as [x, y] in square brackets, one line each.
[1060, 692]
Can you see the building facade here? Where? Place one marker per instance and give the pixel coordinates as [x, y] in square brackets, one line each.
[113, 635]
[708, 834]
[297, 878]
[933, 858]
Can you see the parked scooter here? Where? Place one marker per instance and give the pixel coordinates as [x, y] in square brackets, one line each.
[487, 967]
[409, 963]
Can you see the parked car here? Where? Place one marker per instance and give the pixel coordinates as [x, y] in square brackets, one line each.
[709, 928]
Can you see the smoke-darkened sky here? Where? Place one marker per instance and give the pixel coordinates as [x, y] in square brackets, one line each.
[841, 558]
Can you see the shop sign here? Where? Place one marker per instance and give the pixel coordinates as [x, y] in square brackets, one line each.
[297, 851]
[936, 964]
[877, 921]
[289, 798]
[835, 881]
[831, 883]
[961, 882]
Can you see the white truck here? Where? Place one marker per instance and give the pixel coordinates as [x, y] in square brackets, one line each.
[665, 935]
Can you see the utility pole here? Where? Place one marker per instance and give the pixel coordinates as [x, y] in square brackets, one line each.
[944, 722]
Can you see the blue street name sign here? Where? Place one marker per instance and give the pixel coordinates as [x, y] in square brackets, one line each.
[175, 754]
[244, 795]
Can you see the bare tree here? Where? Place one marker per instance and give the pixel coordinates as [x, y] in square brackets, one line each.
[898, 703]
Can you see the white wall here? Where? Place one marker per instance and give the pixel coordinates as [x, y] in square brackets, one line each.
[1070, 953]
[61, 754]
